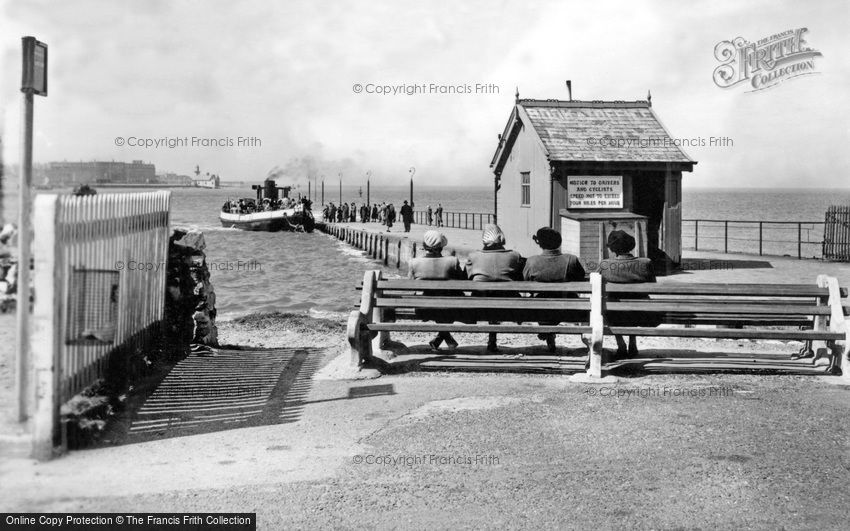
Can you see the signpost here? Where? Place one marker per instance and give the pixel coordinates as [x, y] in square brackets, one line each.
[33, 81]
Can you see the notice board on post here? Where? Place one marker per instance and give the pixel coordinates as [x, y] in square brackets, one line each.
[595, 191]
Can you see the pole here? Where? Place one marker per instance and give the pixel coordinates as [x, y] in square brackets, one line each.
[368, 188]
[340, 188]
[412, 172]
[323, 191]
[760, 240]
[799, 241]
[696, 235]
[24, 231]
[726, 236]
[309, 188]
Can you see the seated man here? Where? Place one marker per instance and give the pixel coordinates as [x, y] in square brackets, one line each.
[624, 268]
[551, 266]
[434, 266]
[494, 263]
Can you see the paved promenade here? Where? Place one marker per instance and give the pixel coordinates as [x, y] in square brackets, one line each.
[697, 266]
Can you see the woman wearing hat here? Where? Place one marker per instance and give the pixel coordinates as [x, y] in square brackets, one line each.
[434, 266]
[552, 266]
[625, 268]
[494, 263]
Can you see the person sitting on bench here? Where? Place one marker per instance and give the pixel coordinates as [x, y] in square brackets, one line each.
[625, 268]
[494, 264]
[434, 266]
[552, 266]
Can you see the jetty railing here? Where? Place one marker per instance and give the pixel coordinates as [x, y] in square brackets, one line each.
[456, 220]
[99, 283]
[775, 238]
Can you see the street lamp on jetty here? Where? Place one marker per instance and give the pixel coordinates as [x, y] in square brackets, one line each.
[368, 186]
[412, 171]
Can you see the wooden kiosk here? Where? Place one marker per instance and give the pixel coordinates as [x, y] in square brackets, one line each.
[585, 168]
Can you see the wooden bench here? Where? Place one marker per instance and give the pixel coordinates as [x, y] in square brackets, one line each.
[812, 314]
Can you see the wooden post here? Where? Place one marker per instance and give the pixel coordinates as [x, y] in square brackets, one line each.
[597, 325]
[696, 235]
[760, 237]
[22, 363]
[47, 319]
[726, 236]
[799, 241]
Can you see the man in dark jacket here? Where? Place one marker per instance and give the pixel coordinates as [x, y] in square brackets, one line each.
[406, 215]
[625, 268]
[344, 217]
[551, 266]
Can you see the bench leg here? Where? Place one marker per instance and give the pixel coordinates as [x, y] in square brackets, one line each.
[358, 340]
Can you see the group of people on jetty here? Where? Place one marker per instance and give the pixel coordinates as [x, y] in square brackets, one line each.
[495, 263]
[249, 206]
[383, 213]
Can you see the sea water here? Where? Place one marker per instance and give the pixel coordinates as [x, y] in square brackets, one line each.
[317, 274]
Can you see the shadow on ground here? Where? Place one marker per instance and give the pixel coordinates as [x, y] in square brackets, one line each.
[222, 390]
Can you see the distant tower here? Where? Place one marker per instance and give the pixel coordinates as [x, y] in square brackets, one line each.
[649, 98]
[197, 170]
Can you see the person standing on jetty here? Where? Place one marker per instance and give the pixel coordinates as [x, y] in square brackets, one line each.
[429, 215]
[406, 215]
[494, 263]
[390, 216]
[439, 213]
[344, 213]
[434, 266]
[552, 266]
[375, 213]
[625, 268]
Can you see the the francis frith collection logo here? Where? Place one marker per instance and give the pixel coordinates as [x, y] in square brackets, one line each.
[766, 62]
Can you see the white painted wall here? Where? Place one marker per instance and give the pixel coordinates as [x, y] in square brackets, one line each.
[521, 223]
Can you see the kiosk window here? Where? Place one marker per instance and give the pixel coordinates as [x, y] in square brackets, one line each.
[525, 188]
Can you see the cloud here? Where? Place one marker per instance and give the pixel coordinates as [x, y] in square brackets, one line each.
[285, 72]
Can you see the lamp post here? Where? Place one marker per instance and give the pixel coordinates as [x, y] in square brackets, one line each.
[323, 189]
[340, 188]
[412, 171]
[368, 187]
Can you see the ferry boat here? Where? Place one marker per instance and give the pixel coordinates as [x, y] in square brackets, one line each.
[272, 210]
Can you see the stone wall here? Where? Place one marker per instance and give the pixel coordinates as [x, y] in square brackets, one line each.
[190, 299]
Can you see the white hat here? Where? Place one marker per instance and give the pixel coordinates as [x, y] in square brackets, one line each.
[493, 235]
[434, 239]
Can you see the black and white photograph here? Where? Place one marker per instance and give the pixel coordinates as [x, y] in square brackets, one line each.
[424, 265]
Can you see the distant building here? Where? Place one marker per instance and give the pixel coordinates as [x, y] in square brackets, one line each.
[172, 179]
[584, 168]
[94, 172]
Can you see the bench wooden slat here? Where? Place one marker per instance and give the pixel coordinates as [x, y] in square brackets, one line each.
[728, 333]
[478, 328]
[740, 290]
[484, 303]
[719, 307]
[469, 285]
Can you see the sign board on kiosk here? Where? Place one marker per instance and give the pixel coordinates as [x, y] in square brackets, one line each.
[595, 191]
[34, 72]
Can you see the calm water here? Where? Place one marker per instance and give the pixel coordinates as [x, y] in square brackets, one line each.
[263, 272]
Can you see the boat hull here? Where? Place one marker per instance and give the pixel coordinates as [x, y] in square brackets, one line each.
[272, 221]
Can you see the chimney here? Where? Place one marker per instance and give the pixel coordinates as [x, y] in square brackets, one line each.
[570, 89]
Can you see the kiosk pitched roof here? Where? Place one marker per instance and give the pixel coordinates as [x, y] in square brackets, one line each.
[602, 131]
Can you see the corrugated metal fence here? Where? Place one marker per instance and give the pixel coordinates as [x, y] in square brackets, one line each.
[100, 274]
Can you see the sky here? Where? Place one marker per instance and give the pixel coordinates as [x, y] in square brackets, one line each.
[283, 77]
